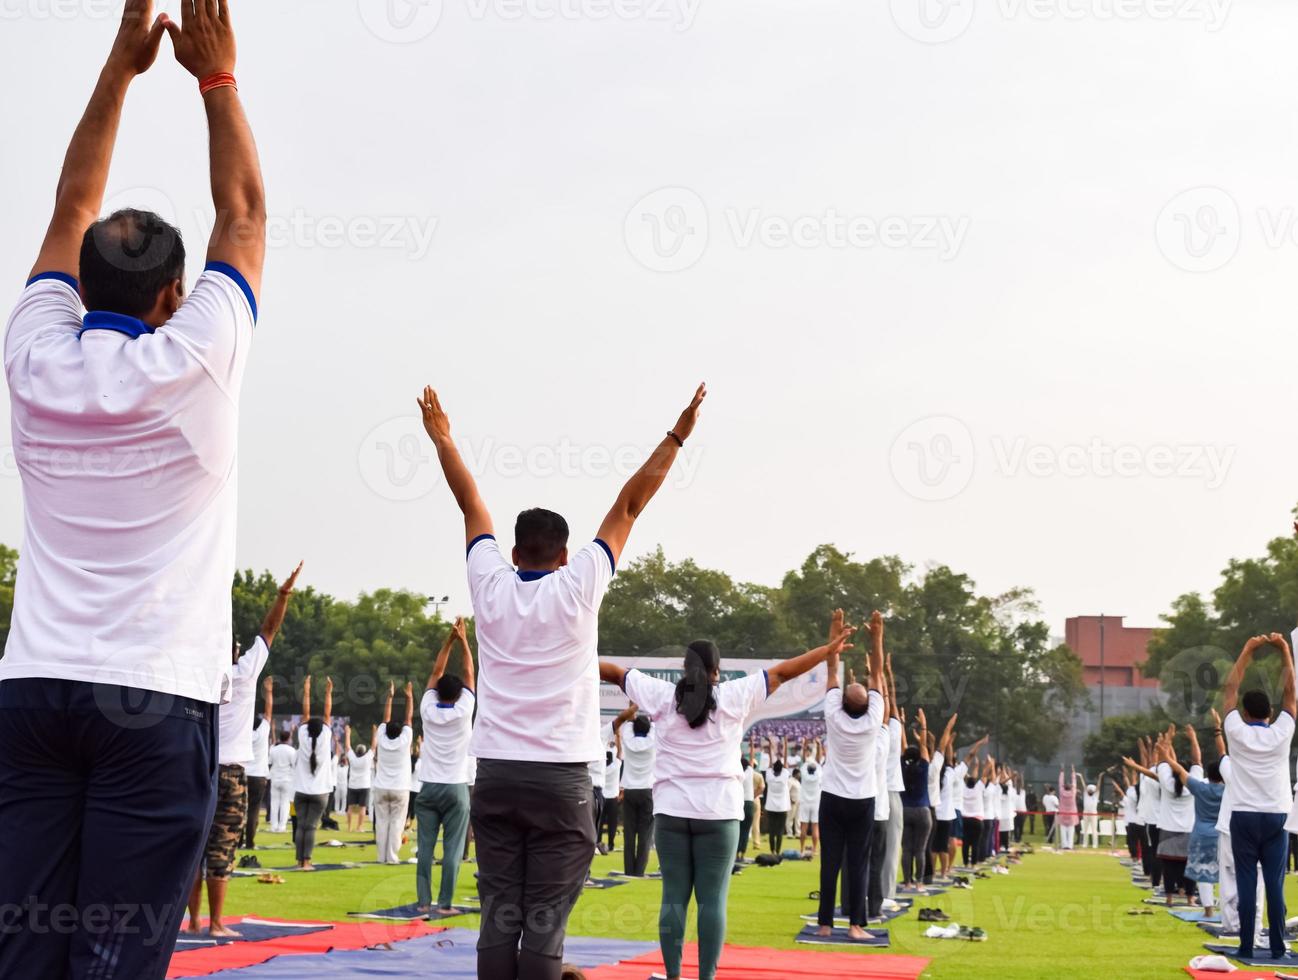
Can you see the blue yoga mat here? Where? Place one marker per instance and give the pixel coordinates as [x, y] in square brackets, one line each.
[1193, 915]
[249, 932]
[1261, 956]
[878, 938]
[411, 911]
[450, 955]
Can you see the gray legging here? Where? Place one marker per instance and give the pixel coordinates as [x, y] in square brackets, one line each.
[916, 824]
[309, 811]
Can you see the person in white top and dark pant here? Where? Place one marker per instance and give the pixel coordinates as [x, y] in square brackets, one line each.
[391, 750]
[637, 796]
[536, 615]
[315, 748]
[443, 800]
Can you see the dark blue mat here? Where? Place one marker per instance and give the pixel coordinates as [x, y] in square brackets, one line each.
[1261, 956]
[249, 932]
[449, 955]
[411, 911]
[878, 938]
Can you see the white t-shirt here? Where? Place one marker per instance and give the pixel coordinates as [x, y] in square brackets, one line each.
[895, 783]
[1050, 803]
[934, 779]
[1005, 804]
[1176, 813]
[236, 717]
[537, 638]
[973, 800]
[333, 772]
[637, 760]
[125, 441]
[1090, 803]
[952, 784]
[750, 792]
[392, 765]
[697, 773]
[1147, 805]
[777, 790]
[612, 777]
[850, 747]
[444, 756]
[259, 767]
[360, 770]
[283, 762]
[596, 766]
[1129, 805]
[991, 801]
[812, 775]
[1262, 783]
[882, 801]
[319, 782]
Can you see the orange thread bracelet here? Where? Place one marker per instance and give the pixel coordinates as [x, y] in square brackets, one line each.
[221, 80]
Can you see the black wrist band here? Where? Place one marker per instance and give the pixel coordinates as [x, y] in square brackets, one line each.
[677, 438]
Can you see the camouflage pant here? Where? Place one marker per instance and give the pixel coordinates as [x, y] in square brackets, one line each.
[228, 822]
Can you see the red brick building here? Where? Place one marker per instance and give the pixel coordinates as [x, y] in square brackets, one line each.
[1110, 650]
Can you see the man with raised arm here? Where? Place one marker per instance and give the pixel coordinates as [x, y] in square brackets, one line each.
[124, 396]
[538, 728]
[1260, 790]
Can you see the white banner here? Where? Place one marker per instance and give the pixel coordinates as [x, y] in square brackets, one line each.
[801, 696]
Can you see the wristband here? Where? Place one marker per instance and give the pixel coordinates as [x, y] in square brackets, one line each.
[679, 442]
[219, 80]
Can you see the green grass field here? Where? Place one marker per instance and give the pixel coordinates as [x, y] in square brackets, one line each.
[1053, 916]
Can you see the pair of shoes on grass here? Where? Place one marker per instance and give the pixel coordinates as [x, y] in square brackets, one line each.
[933, 915]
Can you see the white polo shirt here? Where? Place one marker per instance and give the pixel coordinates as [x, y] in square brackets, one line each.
[950, 795]
[1147, 804]
[777, 790]
[125, 440]
[360, 770]
[444, 755]
[850, 746]
[612, 778]
[973, 800]
[316, 783]
[1176, 813]
[1050, 803]
[1260, 764]
[259, 767]
[392, 760]
[538, 680]
[697, 773]
[235, 718]
[283, 762]
[895, 782]
[637, 760]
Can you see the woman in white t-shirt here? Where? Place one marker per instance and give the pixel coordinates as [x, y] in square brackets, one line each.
[778, 802]
[360, 777]
[315, 741]
[258, 770]
[391, 750]
[699, 784]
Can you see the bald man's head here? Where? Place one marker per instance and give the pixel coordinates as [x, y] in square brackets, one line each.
[855, 700]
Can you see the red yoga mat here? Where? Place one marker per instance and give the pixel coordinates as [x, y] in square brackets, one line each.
[755, 963]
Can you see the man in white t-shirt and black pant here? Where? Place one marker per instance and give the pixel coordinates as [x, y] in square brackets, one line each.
[638, 797]
[124, 409]
[537, 622]
[1261, 792]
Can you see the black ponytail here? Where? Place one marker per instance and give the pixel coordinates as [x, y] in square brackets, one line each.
[313, 728]
[694, 697]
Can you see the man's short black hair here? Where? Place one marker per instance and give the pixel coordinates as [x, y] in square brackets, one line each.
[448, 688]
[540, 536]
[1256, 705]
[127, 259]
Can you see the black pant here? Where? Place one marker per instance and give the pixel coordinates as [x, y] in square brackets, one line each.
[985, 847]
[637, 829]
[1048, 825]
[310, 810]
[106, 798]
[1019, 818]
[597, 809]
[928, 846]
[876, 874]
[257, 786]
[973, 830]
[611, 810]
[746, 827]
[1155, 869]
[845, 830]
[1135, 836]
[776, 820]
[535, 840]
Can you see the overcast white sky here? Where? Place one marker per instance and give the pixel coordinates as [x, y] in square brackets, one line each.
[1020, 301]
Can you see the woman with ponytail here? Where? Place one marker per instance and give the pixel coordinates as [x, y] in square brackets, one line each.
[698, 792]
[315, 740]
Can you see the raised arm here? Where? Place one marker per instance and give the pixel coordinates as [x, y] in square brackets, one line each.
[1289, 699]
[80, 191]
[462, 635]
[347, 740]
[387, 703]
[410, 704]
[329, 702]
[611, 673]
[477, 519]
[205, 47]
[894, 707]
[268, 702]
[306, 699]
[644, 483]
[1196, 757]
[275, 615]
[875, 626]
[1218, 737]
[832, 661]
[1230, 692]
[923, 734]
[787, 670]
[443, 656]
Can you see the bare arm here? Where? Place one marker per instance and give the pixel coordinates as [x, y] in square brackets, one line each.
[329, 701]
[410, 704]
[477, 519]
[443, 656]
[644, 483]
[1230, 693]
[1217, 735]
[275, 615]
[387, 704]
[876, 652]
[797, 666]
[205, 46]
[306, 699]
[80, 192]
[611, 673]
[268, 708]
[462, 634]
